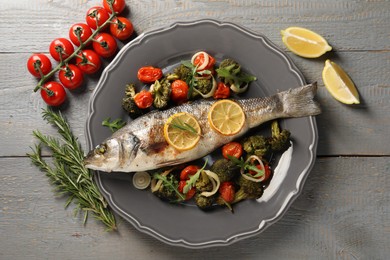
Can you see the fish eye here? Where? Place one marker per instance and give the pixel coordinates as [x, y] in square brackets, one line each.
[101, 149]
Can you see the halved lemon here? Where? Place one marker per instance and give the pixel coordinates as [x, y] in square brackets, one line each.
[226, 117]
[182, 131]
[339, 84]
[304, 42]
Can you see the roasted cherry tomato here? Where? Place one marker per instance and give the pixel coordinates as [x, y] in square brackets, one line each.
[53, 93]
[143, 99]
[267, 171]
[222, 91]
[104, 44]
[190, 193]
[188, 171]
[179, 91]
[37, 64]
[61, 48]
[117, 5]
[121, 28]
[200, 59]
[88, 61]
[227, 191]
[96, 16]
[149, 74]
[71, 76]
[233, 149]
[79, 30]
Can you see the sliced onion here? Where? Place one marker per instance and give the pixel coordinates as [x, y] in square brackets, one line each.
[141, 180]
[211, 92]
[205, 62]
[156, 184]
[236, 89]
[246, 176]
[214, 180]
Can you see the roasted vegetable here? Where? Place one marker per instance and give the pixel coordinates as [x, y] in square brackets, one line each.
[232, 67]
[204, 202]
[128, 102]
[248, 190]
[161, 91]
[225, 169]
[229, 71]
[204, 85]
[168, 189]
[183, 72]
[256, 145]
[203, 183]
[280, 140]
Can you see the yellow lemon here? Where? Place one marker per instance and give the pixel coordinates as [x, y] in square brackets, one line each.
[304, 42]
[226, 117]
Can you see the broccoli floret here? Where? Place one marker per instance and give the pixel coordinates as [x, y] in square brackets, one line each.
[204, 202]
[128, 103]
[182, 72]
[203, 85]
[161, 91]
[168, 189]
[229, 71]
[225, 169]
[248, 190]
[203, 183]
[231, 65]
[280, 140]
[256, 145]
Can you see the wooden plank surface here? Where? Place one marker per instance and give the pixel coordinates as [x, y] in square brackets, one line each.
[344, 209]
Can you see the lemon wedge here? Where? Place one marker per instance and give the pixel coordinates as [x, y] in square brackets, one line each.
[304, 43]
[226, 117]
[339, 84]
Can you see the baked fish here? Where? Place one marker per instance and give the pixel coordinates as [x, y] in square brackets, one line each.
[141, 146]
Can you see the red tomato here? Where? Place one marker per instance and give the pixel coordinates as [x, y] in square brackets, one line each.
[71, 76]
[179, 91]
[267, 171]
[233, 149]
[61, 49]
[143, 99]
[187, 171]
[53, 93]
[199, 60]
[104, 44]
[227, 191]
[149, 74]
[190, 193]
[222, 91]
[37, 64]
[88, 61]
[117, 5]
[96, 16]
[121, 28]
[79, 30]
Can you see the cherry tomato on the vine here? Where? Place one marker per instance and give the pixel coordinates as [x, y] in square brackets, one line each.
[149, 74]
[143, 99]
[227, 191]
[233, 149]
[88, 61]
[190, 193]
[222, 91]
[53, 93]
[104, 44]
[96, 16]
[61, 48]
[121, 28]
[117, 5]
[79, 30]
[179, 91]
[71, 76]
[38, 62]
[188, 171]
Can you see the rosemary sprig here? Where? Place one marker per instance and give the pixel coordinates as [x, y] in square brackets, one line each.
[113, 125]
[68, 173]
[184, 126]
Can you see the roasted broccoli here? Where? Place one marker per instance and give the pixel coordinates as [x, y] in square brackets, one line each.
[225, 169]
[168, 189]
[128, 103]
[204, 202]
[229, 71]
[203, 183]
[161, 91]
[248, 190]
[256, 145]
[230, 65]
[280, 140]
[183, 72]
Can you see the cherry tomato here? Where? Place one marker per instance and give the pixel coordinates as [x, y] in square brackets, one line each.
[71, 76]
[188, 171]
[190, 193]
[267, 171]
[233, 149]
[88, 61]
[53, 93]
[149, 74]
[104, 44]
[222, 91]
[199, 60]
[96, 16]
[179, 91]
[117, 5]
[79, 29]
[227, 191]
[121, 28]
[143, 99]
[61, 48]
[38, 63]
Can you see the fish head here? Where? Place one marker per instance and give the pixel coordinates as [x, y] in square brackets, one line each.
[105, 156]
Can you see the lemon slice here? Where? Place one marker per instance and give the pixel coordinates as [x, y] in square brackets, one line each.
[304, 42]
[226, 117]
[182, 131]
[339, 84]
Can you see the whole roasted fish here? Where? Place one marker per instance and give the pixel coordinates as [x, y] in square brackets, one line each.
[141, 146]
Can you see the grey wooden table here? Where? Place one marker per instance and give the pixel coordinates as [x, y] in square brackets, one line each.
[344, 209]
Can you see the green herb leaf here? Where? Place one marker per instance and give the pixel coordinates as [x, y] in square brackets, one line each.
[247, 166]
[191, 182]
[183, 126]
[114, 125]
[238, 79]
[168, 183]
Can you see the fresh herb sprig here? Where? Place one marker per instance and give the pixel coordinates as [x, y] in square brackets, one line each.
[179, 124]
[114, 125]
[169, 183]
[68, 173]
[192, 80]
[237, 78]
[191, 182]
[247, 166]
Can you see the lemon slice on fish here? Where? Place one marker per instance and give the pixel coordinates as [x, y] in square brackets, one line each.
[226, 117]
[304, 42]
[339, 84]
[182, 131]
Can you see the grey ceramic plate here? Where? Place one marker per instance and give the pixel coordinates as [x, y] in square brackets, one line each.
[186, 225]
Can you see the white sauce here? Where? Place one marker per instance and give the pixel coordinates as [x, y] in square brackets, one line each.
[280, 173]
